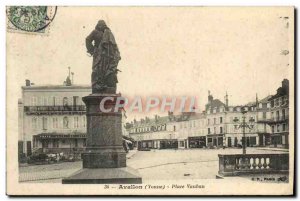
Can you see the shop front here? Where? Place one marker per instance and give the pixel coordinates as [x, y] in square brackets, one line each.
[279, 140]
[197, 142]
[168, 144]
[215, 140]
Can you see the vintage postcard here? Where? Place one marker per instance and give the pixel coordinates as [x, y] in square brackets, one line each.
[150, 100]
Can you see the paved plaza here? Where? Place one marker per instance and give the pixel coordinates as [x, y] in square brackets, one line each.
[152, 165]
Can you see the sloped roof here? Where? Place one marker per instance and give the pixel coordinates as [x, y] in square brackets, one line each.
[215, 103]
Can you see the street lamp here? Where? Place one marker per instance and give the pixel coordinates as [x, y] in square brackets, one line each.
[244, 125]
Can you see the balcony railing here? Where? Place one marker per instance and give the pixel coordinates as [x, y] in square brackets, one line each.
[279, 119]
[239, 164]
[51, 109]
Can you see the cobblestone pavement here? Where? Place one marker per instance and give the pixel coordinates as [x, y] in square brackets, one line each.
[152, 165]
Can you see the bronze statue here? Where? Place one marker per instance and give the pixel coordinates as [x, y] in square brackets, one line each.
[102, 46]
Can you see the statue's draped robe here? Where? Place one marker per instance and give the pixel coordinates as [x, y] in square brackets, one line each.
[106, 57]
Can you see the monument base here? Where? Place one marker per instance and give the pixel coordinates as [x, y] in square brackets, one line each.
[125, 175]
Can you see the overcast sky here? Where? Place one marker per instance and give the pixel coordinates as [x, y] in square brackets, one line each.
[165, 51]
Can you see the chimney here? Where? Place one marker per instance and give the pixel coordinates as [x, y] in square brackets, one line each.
[156, 118]
[285, 85]
[27, 83]
[226, 99]
[210, 97]
[256, 100]
[72, 77]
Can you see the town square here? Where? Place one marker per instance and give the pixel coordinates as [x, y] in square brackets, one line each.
[150, 101]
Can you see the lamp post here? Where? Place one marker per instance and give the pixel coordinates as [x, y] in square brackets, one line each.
[244, 125]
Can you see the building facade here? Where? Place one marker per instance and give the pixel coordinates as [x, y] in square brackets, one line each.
[219, 125]
[52, 118]
[279, 116]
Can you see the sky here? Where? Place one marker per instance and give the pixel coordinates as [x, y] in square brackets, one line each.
[177, 51]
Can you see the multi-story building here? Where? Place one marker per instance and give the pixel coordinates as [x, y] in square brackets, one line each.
[219, 125]
[191, 130]
[279, 116]
[234, 133]
[215, 111]
[153, 133]
[52, 117]
[223, 120]
[262, 118]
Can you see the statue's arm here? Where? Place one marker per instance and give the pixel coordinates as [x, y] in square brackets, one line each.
[89, 42]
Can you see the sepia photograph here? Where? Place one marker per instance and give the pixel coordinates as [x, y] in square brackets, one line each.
[150, 100]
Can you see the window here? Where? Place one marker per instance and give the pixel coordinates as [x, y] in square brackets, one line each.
[55, 143]
[34, 101]
[272, 115]
[278, 128]
[221, 120]
[55, 101]
[83, 122]
[45, 123]
[75, 100]
[221, 129]
[66, 122]
[252, 140]
[208, 130]
[208, 121]
[277, 115]
[283, 127]
[34, 123]
[283, 114]
[54, 122]
[76, 124]
[264, 115]
[215, 120]
[65, 101]
[215, 130]
[272, 103]
[276, 102]
[273, 129]
[45, 101]
[174, 128]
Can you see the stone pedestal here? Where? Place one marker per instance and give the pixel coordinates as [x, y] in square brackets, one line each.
[104, 160]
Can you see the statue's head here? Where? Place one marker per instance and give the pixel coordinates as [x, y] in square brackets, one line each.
[101, 25]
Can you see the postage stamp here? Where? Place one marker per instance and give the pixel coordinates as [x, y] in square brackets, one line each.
[30, 19]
